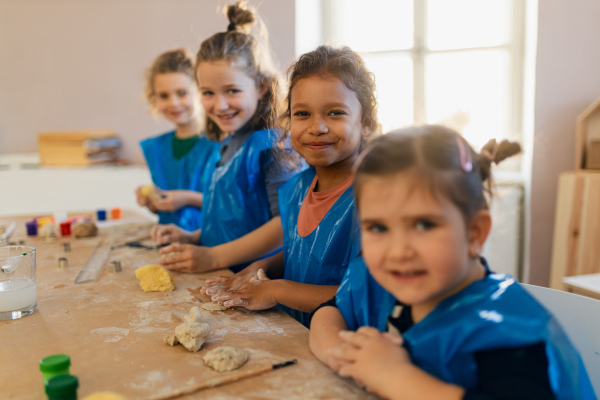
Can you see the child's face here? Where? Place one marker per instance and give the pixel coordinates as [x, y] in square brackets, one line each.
[326, 124]
[229, 96]
[176, 97]
[415, 245]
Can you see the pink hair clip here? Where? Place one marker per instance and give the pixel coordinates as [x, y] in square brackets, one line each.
[465, 156]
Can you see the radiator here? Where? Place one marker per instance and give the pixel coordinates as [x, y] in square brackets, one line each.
[504, 246]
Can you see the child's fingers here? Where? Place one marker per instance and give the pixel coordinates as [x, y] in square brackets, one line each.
[217, 279]
[358, 338]
[394, 339]
[344, 352]
[261, 275]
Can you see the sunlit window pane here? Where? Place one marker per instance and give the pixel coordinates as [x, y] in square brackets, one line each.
[393, 77]
[470, 91]
[373, 25]
[467, 23]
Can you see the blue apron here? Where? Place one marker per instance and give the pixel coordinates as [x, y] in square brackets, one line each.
[188, 173]
[322, 257]
[491, 313]
[236, 200]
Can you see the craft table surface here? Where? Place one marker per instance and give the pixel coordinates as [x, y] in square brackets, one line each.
[113, 331]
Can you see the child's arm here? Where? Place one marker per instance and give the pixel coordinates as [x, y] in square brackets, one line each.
[173, 200]
[272, 266]
[384, 367]
[325, 326]
[265, 293]
[256, 244]
[163, 234]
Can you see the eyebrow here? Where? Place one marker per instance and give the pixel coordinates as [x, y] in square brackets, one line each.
[329, 105]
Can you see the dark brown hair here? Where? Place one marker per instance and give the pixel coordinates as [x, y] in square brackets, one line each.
[251, 54]
[174, 61]
[344, 64]
[441, 158]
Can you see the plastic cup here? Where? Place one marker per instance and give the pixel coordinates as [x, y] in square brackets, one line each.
[18, 296]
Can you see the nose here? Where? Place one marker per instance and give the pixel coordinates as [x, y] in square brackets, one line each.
[221, 103]
[401, 248]
[318, 127]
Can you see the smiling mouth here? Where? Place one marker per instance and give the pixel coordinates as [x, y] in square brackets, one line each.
[407, 274]
[227, 117]
[318, 146]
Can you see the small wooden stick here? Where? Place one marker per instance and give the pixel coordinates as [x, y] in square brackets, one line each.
[222, 381]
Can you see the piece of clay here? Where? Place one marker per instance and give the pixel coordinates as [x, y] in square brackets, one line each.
[195, 315]
[226, 358]
[84, 229]
[105, 396]
[171, 340]
[154, 278]
[47, 231]
[214, 307]
[150, 192]
[192, 335]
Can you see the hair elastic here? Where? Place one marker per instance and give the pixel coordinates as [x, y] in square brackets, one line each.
[465, 156]
[231, 27]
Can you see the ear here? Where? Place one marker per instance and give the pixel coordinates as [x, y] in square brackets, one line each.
[478, 228]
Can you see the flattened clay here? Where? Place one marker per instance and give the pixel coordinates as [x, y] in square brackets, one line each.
[154, 278]
[214, 307]
[150, 192]
[192, 335]
[225, 358]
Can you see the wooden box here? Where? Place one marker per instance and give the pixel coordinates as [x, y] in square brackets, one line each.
[587, 140]
[576, 244]
[78, 147]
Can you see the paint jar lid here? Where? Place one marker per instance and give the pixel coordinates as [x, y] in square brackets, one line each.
[63, 387]
[55, 363]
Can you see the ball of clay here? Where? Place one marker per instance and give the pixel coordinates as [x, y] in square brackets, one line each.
[105, 396]
[47, 231]
[154, 278]
[225, 358]
[214, 307]
[84, 229]
[150, 192]
[192, 335]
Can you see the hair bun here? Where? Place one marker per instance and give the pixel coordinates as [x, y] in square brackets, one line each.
[239, 15]
[496, 152]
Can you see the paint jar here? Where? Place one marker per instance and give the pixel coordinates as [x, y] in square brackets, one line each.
[62, 387]
[101, 215]
[115, 213]
[55, 365]
[65, 228]
[32, 228]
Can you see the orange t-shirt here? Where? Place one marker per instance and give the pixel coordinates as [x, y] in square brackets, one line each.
[316, 205]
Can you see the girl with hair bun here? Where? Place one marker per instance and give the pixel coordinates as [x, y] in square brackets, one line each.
[239, 93]
[179, 161]
[420, 315]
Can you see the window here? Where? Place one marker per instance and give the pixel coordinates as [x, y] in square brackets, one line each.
[456, 62]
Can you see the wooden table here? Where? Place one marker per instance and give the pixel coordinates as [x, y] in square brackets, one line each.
[113, 331]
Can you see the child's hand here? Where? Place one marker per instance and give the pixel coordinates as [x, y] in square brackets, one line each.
[220, 284]
[370, 357]
[163, 234]
[187, 258]
[254, 295]
[170, 200]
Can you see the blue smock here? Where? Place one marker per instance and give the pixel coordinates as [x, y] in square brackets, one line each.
[322, 257]
[492, 313]
[187, 173]
[236, 200]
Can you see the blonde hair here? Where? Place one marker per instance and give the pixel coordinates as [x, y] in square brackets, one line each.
[174, 61]
[238, 46]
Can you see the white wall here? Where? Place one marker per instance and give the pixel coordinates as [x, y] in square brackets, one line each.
[79, 64]
[567, 82]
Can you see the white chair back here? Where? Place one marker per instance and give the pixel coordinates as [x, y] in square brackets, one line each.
[580, 318]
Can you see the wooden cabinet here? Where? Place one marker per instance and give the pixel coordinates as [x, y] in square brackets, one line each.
[576, 245]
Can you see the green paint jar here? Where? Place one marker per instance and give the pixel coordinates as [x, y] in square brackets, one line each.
[62, 387]
[55, 365]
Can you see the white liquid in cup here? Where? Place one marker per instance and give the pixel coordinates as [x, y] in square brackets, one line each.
[17, 294]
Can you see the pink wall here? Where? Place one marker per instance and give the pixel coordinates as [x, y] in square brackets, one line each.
[69, 64]
[567, 82]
